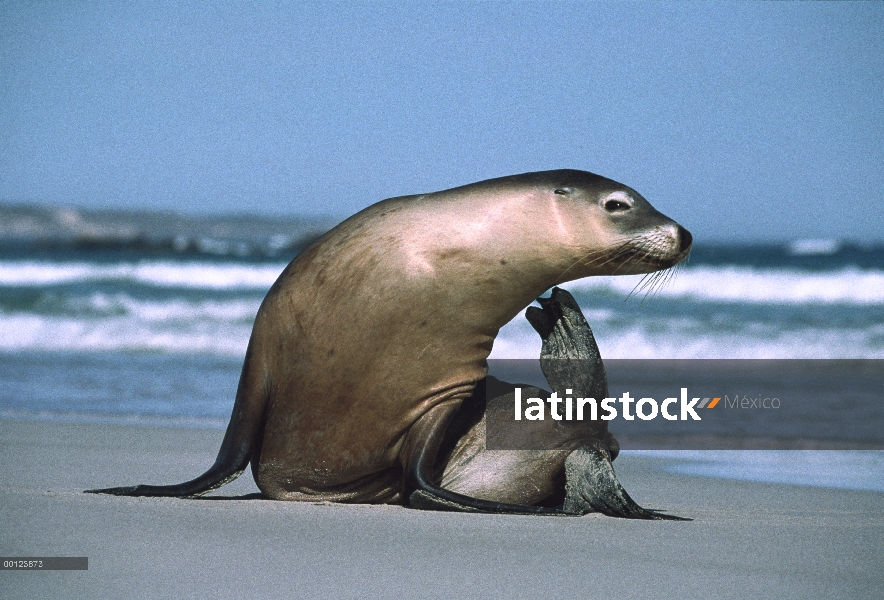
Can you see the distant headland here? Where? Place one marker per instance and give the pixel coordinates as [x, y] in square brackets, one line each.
[55, 227]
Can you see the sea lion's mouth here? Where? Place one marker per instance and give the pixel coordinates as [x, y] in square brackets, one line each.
[658, 249]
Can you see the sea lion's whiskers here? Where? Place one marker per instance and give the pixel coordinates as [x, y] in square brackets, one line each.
[592, 258]
[622, 255]
[629, 254]
[638, 285]
[652, 283]
[657, 283]
[639, 254]
[616, 254]
[647, 283]
[589, 258]
[670, 275]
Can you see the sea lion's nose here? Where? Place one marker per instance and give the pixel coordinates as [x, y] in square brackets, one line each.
[685, 239]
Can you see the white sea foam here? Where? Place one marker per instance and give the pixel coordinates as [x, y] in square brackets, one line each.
[756, 286]
[199, 330]
[123, 333]
[236, 310]
[169, 274]
[169, 331]
[721, 284]
[213, 311]
[684, 337]
[813, 247]
[218, 326]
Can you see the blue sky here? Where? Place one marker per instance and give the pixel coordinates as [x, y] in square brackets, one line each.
[748, 121]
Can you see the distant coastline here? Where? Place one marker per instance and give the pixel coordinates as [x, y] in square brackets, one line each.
[24, 226]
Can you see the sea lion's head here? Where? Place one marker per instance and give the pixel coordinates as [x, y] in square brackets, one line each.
[622, 233]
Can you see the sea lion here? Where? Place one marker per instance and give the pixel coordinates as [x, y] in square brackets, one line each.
[373, 338]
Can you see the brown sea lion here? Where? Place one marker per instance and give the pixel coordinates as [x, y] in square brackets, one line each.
[372, 339]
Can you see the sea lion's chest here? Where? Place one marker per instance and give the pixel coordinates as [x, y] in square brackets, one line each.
[362, 348]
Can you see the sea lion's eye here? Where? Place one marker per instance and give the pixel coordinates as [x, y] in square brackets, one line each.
[616, 206]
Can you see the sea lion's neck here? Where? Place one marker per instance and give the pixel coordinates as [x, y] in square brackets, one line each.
[504, 251]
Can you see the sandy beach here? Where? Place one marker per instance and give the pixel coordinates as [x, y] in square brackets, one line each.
[746, 540]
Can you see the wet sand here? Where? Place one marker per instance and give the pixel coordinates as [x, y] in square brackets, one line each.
[746, 540]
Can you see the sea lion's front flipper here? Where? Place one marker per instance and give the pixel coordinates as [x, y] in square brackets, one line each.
[419, 459]
[570, 359]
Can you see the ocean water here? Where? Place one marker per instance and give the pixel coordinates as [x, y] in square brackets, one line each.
[129, 333]
[838, 469]
[740, 302]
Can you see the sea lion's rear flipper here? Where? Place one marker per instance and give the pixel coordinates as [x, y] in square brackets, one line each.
[570, 359]
[419, 459]
[242, 437]
[592, 486]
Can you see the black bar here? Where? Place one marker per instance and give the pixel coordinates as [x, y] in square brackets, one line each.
[44, 563]
[812, 404]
